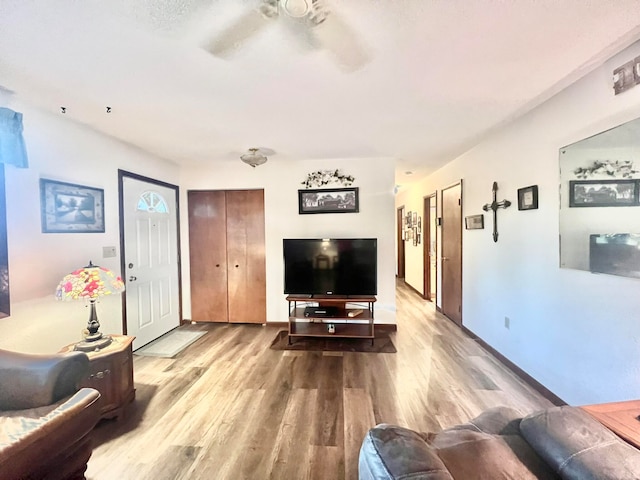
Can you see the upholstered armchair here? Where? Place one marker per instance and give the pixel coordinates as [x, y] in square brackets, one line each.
[45, 421]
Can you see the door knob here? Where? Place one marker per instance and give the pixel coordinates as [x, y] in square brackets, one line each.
[132, 278]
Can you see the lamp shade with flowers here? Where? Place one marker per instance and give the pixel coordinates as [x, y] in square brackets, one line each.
[89, 283]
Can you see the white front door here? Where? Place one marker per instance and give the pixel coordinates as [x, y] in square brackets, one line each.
[150, 259]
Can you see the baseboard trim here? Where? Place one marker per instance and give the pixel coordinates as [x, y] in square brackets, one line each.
[532, 382]
[277, 324]
[389, 327]
[412, 288]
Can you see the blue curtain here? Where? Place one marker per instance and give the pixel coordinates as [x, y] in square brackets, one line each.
[12, 148]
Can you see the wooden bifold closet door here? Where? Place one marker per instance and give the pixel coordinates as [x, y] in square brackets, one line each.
[227, 256]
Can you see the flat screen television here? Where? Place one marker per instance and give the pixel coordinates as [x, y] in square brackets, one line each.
[337, 266]
[615, 254]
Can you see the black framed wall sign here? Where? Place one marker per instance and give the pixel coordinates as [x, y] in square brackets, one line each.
[528, 198]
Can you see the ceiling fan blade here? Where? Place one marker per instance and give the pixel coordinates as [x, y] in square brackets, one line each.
[342, 41]
[234, 36]
[318, 12]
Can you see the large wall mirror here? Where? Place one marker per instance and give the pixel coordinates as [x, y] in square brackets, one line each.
[600, 202]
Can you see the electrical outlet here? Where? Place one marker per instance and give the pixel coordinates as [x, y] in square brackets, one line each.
[507, 322]
[108, 252]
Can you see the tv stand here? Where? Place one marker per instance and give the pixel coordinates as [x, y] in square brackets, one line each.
[353, 317]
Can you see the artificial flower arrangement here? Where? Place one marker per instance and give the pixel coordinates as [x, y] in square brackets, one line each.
[325, 177]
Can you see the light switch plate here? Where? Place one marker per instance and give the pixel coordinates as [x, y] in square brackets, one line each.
[108, 252]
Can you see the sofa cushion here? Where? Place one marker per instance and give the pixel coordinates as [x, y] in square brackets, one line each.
[497, 420]
[392, 452]
[472, 455]
[578, 447]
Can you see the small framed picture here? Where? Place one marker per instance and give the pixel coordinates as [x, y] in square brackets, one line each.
[71, 208]
[528, 198]
[474, 222]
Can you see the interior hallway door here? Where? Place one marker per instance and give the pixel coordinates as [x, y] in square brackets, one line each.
[151, 263]
[452, 252]
[429, 246]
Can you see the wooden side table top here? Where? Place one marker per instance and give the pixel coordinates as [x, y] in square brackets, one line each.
[619, 417]
[119, 343]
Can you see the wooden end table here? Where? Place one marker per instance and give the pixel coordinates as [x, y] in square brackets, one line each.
[619, 417]
[111, 373]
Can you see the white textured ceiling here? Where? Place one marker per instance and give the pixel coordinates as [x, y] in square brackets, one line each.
[417, 80]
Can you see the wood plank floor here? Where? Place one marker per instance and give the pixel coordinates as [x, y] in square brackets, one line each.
[229, 407]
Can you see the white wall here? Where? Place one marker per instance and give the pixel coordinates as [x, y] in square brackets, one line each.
[281, 181]
[576, 333]
[60, 149]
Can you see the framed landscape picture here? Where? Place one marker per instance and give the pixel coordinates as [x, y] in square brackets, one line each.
[603, 193]
[329, 200]
[71, 208]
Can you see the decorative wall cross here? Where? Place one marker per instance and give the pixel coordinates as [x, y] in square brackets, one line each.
[494, 206]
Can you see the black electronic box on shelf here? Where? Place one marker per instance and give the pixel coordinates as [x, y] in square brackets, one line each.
[320, 312]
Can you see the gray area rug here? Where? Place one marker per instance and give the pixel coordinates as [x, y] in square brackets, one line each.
[170, 344]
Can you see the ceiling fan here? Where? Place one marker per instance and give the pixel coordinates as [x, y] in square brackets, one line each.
[311, 21]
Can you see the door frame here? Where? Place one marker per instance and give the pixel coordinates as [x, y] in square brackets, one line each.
[121, 176]
[400, 267]
[426, 243]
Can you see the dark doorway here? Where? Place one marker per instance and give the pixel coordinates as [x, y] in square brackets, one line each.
[400, 242]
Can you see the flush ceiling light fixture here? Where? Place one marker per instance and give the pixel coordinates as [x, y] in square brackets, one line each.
[253, 158]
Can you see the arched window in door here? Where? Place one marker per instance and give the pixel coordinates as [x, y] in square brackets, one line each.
[152, 202]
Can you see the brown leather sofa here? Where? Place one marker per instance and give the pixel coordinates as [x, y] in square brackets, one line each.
[45, 421]
[557, 443]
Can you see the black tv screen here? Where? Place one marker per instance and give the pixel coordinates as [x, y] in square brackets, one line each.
[615, 254]
[343, 266]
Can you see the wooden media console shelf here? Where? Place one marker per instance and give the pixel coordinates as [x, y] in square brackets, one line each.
[349, 317]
